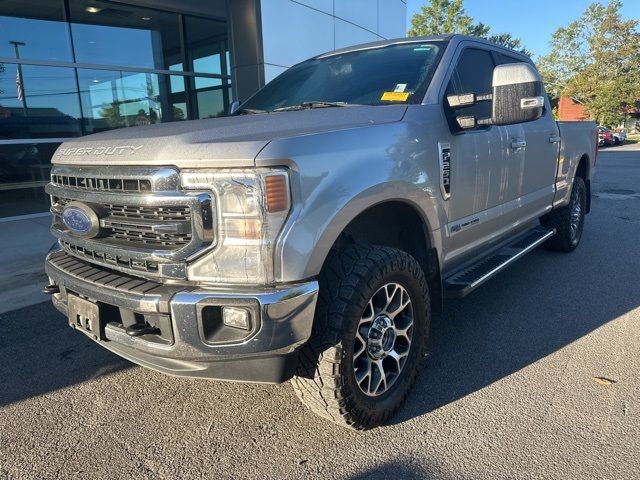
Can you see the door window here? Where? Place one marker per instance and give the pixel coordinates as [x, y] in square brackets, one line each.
[473, 74]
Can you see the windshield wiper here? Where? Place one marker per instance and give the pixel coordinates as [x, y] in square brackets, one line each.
[313, 104]
[249, 111]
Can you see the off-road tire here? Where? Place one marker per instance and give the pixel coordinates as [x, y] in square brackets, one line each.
[566, 240]
[325, 379]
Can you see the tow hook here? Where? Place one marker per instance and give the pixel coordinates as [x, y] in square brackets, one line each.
[51, 289]
[139, 329]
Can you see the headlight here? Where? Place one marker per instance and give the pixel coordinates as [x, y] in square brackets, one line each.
[252, 208]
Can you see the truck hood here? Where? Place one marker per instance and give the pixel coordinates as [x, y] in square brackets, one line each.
[217, 142]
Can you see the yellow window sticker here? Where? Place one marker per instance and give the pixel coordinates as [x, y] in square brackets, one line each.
[395, 96]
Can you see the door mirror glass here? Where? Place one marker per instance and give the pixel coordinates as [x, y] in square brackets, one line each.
[517, 94]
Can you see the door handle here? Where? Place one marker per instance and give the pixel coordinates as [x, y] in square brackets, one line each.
[518, 144]
[554, 139]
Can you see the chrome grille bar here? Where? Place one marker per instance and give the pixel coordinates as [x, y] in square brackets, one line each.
[116, 179]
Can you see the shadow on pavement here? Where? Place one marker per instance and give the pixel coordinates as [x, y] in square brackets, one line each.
[397, 469]
[39, 353]
[541, 304]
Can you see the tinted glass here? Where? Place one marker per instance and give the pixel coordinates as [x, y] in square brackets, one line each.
[503, 59]
[473, 74]
[112, 34]
[24, 171]
[38, 27]
[360, 77]
[41, 103]
[129, 99]
[206, 44]
[210, 97]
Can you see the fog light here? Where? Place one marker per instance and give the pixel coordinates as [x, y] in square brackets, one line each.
[236, 317]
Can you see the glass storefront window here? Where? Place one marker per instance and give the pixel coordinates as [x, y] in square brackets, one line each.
[209, 93]
[24, 171]
[206, 45]
[117, 66]
[112, 34]
[44, 104]
[38, 27]
[113, 99]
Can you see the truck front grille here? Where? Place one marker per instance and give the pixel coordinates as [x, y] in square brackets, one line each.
[147, 224]
[123, 224]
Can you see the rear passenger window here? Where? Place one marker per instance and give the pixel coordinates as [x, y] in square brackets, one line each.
[473, 74]
[503, 59]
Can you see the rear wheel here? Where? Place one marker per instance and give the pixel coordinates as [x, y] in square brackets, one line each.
[568, 221]
[369, 336]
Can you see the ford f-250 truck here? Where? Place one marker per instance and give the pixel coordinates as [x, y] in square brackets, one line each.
[311, 234]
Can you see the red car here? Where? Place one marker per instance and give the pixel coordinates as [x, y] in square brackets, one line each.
[605, 136]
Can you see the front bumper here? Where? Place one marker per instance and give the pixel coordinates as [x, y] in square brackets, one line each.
[282, 318]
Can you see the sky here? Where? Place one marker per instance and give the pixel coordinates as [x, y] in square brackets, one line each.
[533, 21]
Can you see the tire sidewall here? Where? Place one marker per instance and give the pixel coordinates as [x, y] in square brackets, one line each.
[579, 194]
[391, 399]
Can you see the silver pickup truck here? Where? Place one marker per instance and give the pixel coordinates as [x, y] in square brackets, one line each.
[312, 233]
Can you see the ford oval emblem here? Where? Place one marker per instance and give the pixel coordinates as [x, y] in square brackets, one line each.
[81, 219]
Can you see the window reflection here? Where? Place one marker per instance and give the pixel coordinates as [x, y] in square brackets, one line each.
[24, 170]
[38, 25]
[112, 34]
[206, 45]
[210, 97]
[44, 104]
[127, 99]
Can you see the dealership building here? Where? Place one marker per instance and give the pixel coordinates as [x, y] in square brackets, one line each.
[74, 67]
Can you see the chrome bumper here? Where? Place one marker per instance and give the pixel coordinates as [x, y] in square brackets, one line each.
[282, 324]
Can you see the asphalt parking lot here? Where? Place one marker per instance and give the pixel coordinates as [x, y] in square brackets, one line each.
[534, 375]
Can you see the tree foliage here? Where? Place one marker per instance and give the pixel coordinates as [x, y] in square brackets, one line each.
[449, 16]
[596, 60]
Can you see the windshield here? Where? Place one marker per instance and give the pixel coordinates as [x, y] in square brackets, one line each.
[379, 76]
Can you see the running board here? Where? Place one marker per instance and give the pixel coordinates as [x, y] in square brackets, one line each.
[465, 281]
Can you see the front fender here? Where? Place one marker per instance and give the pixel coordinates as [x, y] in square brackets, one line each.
[338, 175]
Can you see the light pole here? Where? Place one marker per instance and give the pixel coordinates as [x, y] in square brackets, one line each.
[20, 79]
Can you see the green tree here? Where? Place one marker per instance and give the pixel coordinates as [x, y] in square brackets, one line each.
[449, 16]
[595, 59]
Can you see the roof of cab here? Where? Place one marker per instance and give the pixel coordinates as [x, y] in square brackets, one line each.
[454, 38]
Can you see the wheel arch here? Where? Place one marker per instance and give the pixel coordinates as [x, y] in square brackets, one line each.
[396, 223]
[583, 170]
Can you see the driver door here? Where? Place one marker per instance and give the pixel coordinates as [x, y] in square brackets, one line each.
[484, 168]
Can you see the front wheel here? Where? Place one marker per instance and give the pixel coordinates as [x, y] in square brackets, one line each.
[369, 336]
[568, 221]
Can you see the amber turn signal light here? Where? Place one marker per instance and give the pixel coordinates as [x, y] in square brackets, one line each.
[277, 193]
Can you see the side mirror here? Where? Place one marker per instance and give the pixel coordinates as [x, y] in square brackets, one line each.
[517, 94]
[233, 108]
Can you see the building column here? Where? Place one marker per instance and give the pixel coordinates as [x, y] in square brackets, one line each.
[245, 40]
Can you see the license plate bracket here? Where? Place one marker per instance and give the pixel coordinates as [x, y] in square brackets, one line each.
[85, 316]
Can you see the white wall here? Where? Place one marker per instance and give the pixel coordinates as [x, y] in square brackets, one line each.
[294, 30]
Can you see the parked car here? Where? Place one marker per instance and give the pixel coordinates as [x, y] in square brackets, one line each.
[619, 136]
[605, 137]
[312, 234]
